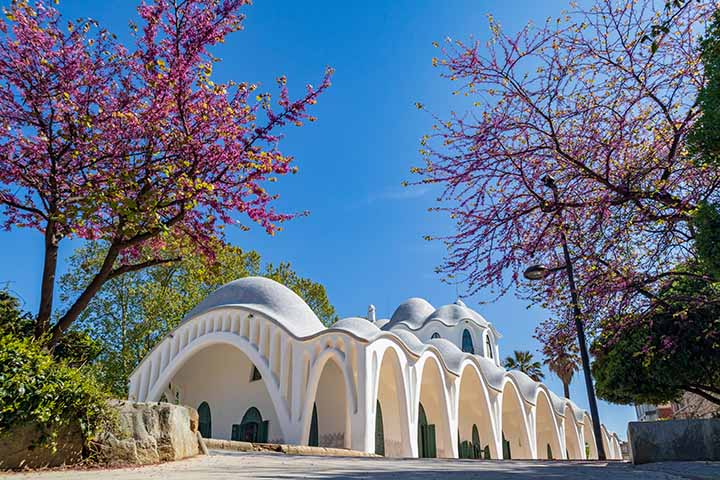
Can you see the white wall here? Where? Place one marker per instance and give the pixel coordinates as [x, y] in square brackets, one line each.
[332, 407]
[220, 376]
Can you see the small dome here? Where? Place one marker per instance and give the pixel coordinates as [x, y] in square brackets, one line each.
[265, 296]
[527, 386]
[412, 312]
[358, 326]
[493, 373]
[412, 342]
[455, 313]
[559, 404]
[450, 353]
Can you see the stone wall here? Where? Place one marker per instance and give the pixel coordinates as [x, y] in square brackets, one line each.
[148, 433]
[670, 440]
[22, 447]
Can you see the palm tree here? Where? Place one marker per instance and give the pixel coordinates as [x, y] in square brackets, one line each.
[563, 363]
[523, 361]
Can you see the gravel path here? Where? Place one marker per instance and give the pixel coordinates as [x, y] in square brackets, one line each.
[226, 465]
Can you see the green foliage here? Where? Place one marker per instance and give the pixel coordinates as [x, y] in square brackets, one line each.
[523, 361]
[704, 138]
[659, 357]
[75, 348]
[133, 312]
[12, 319]
[707, 238]
[36, 388]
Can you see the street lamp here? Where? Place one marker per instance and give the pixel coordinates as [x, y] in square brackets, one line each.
[539, 272]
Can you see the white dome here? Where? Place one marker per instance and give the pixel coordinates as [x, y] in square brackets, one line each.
[358, 326]
[455, 313]
[412, 312]
[265, 296]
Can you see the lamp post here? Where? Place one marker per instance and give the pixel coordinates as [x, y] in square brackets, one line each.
[538, 272]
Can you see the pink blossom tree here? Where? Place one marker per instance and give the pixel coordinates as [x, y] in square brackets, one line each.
[135, 146]
[584, 100]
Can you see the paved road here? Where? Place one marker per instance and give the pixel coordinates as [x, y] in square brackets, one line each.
[226, 466]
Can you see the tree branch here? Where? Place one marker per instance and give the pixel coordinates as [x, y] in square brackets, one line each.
[139, 266]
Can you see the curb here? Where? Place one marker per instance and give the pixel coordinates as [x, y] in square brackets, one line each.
[236, 446]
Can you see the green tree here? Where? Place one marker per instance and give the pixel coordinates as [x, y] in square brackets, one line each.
[52, 391]
[672, 350]
[76, 348]
[12, 318]
[704, 144]
[523, 361]
[37, 389]
[133, 312]
[707, 238]
[564, 363]
[704, 138]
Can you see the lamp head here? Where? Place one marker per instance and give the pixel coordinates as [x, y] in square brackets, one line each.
[536, 272]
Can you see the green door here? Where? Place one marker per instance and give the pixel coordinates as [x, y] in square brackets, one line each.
[263, 432]
[313, 441]
[379, 432]
[205, 420]
[426, 436]
[507, 454]
[549, 452]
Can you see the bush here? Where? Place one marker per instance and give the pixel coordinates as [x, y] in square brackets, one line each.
[37, 389]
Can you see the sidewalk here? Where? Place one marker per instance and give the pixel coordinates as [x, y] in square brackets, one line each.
[230, 465]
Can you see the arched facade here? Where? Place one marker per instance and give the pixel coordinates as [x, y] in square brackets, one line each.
[549, 440]
[475, 414]
[260, 362]
[515, 424]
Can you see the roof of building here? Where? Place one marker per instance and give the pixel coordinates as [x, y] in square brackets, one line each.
[412, 313]
[415, 313]
[265, 296]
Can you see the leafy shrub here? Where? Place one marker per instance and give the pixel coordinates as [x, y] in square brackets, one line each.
[36, 388]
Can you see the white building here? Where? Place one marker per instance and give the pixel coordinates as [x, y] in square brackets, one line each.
[259, 365]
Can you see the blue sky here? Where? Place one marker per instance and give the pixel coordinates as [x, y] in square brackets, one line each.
[363, 238]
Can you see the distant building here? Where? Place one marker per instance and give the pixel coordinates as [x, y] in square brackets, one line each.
[259, 366]
[689, 406]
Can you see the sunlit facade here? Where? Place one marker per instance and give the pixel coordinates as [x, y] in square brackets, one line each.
[259, 366]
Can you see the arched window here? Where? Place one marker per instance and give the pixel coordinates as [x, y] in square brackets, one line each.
[488, 346]
[467, 343]
[252, 428]
[435, 335]
[204, 420]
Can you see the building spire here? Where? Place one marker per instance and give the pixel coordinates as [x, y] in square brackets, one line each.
[371, 313]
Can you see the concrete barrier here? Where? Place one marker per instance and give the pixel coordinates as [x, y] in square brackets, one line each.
[672, 440]
[236, 446]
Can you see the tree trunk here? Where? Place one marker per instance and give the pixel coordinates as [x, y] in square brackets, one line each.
[47, 287]
[566, 389]
[84, 299]
[707, 396]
